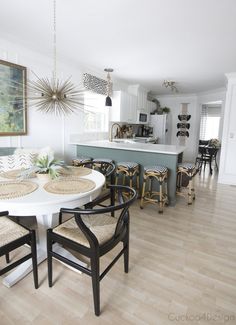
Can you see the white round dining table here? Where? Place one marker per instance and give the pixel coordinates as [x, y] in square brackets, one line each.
[45, 206]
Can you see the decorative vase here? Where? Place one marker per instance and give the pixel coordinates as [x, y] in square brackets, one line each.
[43, 178]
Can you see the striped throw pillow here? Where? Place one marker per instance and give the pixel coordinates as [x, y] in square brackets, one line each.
[17, 161]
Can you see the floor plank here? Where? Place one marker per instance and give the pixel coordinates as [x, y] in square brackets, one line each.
[182, 270]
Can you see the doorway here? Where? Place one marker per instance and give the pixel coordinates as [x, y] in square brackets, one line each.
[210, 119]
[210, 131]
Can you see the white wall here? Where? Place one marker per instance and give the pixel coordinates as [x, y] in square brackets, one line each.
[194, 109]
[174, 103]
[45, 129]
[227, 173]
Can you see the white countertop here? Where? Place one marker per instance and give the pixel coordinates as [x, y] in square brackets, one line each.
[136, 146]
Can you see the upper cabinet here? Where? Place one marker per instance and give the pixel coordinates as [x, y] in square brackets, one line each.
[141, 95]
[126, 104]
[123, 107]
[142, 100]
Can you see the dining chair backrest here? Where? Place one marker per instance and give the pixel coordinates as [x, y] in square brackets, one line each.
[212, 151]
[93, 233]
[201, 150]
[104, 167]
[108, 170]
[203, 142]
[126, 196]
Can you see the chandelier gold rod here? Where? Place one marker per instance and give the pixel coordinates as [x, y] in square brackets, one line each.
[55, 95]
[54, 42]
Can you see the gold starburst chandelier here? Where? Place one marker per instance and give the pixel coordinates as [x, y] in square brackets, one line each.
[53, 95]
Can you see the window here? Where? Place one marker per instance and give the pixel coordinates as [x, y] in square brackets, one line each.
[210, 122]
[96, 115]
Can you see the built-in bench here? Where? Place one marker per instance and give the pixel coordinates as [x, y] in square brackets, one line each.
[5, 151]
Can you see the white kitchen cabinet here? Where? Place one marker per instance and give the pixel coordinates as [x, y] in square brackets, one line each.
[141, 94]
[142, 100]
[123, 107]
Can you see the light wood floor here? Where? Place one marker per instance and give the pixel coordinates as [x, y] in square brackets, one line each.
[182, 271]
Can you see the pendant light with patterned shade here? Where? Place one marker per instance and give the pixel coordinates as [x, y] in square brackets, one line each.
[108, 101]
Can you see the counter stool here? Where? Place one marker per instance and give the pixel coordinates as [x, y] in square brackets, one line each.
[81, 159]
[185, 175]
[158, 173]
[128, 170]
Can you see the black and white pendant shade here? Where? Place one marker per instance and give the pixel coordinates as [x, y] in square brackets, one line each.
[108, 101]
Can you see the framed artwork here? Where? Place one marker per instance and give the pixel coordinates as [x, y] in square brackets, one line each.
[13, 105]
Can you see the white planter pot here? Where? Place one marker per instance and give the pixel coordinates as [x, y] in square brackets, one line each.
[43, 178]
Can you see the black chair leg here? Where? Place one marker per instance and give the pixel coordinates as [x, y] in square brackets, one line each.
[49, 259]
[126, 257]
[112, 200]
[7, 258]
[126, 251]
[96, 284]
[34, 258]
[60, 218]
[210, 161]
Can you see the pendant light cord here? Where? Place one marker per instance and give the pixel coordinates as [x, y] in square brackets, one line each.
[51, 95]
[54, 43]
[108, 84]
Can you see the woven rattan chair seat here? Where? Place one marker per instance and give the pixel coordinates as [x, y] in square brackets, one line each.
[10, 231]
[103, 227]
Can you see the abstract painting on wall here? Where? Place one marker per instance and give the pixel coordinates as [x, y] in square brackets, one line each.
[13, 106]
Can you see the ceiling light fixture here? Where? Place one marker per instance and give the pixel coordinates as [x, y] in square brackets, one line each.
[171, 84]
[108, 101]
[55, 96]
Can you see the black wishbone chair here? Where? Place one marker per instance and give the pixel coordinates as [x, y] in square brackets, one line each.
[12, 236]
[107, 168]
[93, 233]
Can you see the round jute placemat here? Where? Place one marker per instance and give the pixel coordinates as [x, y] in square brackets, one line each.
[10, 190]
[69, 186]
[74, 171]
[15, 173]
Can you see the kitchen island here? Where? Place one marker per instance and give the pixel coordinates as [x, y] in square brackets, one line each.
[142, 153]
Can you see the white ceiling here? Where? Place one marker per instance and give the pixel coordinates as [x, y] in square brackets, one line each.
[192, 42]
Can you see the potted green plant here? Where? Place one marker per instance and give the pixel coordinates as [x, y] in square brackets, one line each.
[45, 167]
[48, 166]
[165, 110]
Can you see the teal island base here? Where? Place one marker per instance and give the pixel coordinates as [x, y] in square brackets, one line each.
[144, 158]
